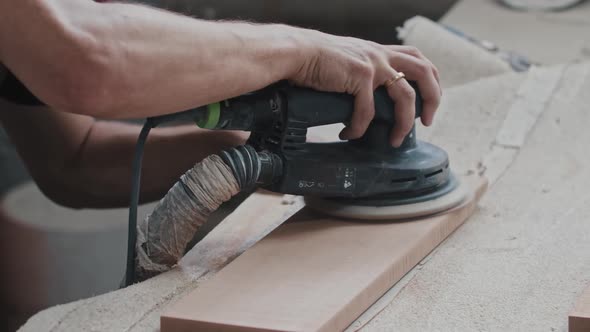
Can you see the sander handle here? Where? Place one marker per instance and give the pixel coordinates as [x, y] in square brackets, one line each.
[318, 108]
[261, 109]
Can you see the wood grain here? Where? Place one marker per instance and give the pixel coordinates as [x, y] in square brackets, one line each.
[314, 273]
[579, 318]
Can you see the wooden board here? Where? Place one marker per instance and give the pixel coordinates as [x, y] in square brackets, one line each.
[579, 319]
[314, 273]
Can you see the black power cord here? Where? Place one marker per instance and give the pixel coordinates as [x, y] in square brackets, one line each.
[150, 123]
[134, 202]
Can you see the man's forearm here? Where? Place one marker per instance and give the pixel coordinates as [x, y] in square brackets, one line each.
[117, 60]
[80, 162]
[105, 161]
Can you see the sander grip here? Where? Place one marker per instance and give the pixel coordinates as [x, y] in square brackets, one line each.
[318, 108]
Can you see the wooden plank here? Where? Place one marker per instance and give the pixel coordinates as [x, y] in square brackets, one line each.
[579, 318]
[314, 273]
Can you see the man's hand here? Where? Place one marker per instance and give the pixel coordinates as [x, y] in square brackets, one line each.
[358, 67]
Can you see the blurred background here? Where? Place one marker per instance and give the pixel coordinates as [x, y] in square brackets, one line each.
[52, 255]
[370, 19]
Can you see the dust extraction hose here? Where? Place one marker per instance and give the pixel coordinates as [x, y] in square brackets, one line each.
[162, 237]
[164, 234]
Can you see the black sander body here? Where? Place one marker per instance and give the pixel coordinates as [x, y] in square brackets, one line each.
[364, 178]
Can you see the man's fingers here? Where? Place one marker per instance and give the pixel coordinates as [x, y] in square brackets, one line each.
[421, 72]
[405, 109]
[415, 52]
[364, 111]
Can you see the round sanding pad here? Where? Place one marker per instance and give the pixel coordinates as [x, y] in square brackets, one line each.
[397, 212]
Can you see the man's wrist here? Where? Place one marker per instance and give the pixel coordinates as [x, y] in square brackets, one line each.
[298, 49]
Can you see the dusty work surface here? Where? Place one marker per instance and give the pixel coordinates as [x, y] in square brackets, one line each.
[518, 264]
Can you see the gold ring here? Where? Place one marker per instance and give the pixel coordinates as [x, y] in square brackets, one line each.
[396, 77]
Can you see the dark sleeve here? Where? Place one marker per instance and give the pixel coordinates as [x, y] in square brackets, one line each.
[11, 89]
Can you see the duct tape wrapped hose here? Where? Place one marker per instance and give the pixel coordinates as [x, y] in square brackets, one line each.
[162, 236]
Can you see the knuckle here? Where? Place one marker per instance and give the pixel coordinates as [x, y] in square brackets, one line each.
[435, 70]
[408, 92]
[424, 68]
[366, 71]
[363, 70]
[413, 50]
[436, 97]
[394, 57]
[373, 54]
[366, 114]
[432, 66]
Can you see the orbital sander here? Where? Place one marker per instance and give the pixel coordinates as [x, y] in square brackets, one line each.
[364, 178]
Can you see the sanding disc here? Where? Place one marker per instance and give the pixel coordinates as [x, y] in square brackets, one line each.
[396, 212]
